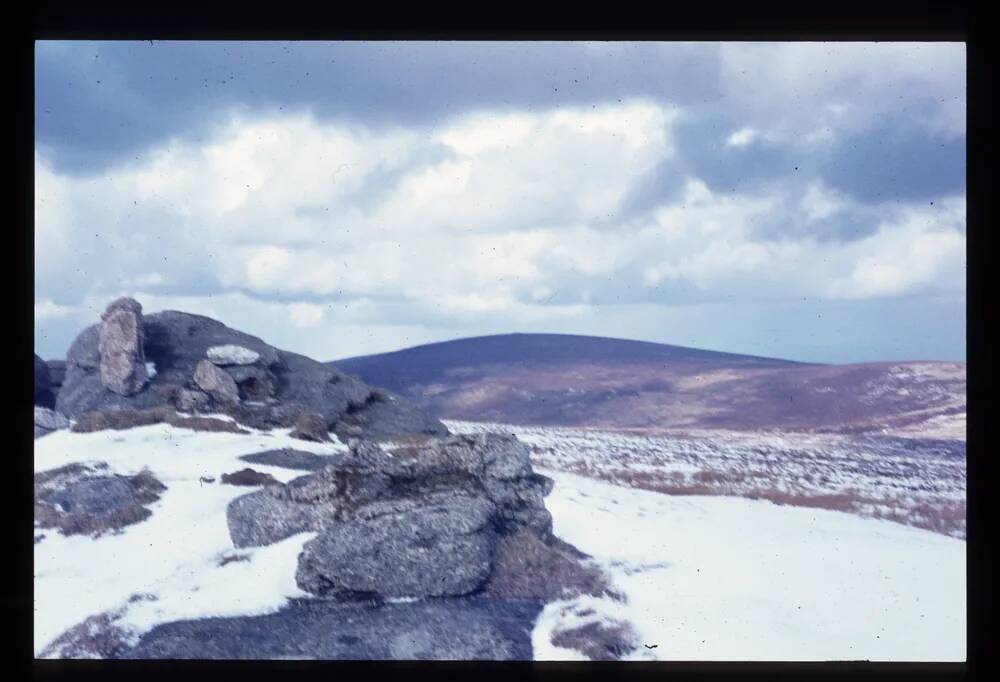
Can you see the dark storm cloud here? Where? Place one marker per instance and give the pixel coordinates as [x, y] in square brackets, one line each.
[897, 159]
[100, 103]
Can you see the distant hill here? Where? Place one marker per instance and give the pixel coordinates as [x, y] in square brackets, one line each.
[557, 379]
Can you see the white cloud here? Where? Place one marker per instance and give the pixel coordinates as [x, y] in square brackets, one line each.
[924, 249]
[46, 309]
[515, 218]
[805, 91]
[819, 202]
[741, 137]
[305, 315]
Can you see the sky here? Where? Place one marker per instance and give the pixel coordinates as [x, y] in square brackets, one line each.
[794, 200]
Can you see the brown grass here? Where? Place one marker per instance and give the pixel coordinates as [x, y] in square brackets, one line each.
[944, 516]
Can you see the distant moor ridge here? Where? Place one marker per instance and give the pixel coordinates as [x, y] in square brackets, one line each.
[566, 380]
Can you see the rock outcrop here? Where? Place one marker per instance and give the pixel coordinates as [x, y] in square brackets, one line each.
[463, 629]
[121, 347]
[273, 387]
[121, 419]
[433, 520]
[87, 499]
[312, 427]
[43, 384]
[47, 421]
[57, 372]
[287, 458]
[248, 477]
[216, 383]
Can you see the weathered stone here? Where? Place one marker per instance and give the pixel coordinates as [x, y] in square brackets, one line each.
[192, 400]
[120, 420]
[527, 566]
[312, 427]
[216, 383]
[98, 637]
[285, 384]
[463, 628]
[50, 419]
[85, 499]
[121, 339]
[231, 354]
[434, 549]
[261, 518]
[605, 640]
[42, 383]
[126, 419]
[248, 477]
[287, 458]
[57, 372]
[381, 415]
[368, 454]
[254, 382]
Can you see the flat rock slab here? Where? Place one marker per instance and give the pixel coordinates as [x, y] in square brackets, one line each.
[85, 498]
[287, 458]
[467, 628]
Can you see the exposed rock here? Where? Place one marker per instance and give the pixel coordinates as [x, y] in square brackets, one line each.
[382, 415]
[285, 384]
[86, 499]
[287, 458]
[261, 518]
[253, 382]
[248, 477]
[120, 420]
[121, 347]
[467, 628]
[43, 381]
[50, 419]
[216, 383]
[528, 566]
[420, 522]
[57, 372]
[310, 426]
[599, 640]
[231, 354]
[368, 454]
[438, 547]
[192, 400]
[98, 637]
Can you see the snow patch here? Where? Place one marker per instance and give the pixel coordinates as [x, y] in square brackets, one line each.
[735, 579]
[176, 555]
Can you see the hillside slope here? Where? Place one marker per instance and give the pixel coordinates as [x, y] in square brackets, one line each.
[553, 379]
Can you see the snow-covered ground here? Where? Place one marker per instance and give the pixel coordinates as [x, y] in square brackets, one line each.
[704, 577]
[724, 578]
[176, 556]
[916, 481]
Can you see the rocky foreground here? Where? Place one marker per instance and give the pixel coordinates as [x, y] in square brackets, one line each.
[427, 546]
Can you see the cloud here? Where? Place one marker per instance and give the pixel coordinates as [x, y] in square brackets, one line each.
[741, 137]
[490, 214]
[305, 315]
[46, 309]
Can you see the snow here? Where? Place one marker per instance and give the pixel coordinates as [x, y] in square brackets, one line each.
[151, 370]
[175, 554]
[722, 578]
[232, 355]
[918, 481]
[704, 577]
